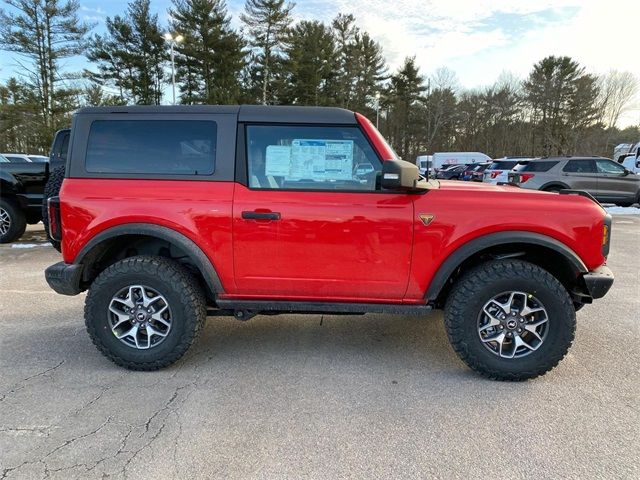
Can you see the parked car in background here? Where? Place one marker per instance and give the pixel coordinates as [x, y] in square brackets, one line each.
[440, 159]
[477, 174]
[631, 160]
[21, 186]
[454, 172]
[26, 185]
[499, 169]
[38, 158]
[606, 180]
[468, 170]
[17, 157]
[424, 163]
[624, 149]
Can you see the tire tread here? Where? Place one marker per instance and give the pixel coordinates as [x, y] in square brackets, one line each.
[190, 293]
[487, 273]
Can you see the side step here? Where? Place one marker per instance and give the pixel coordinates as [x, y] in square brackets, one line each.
[245, 309]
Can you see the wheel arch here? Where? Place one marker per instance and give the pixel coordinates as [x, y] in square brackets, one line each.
[542, 250]
[554, 183]
[128, 240]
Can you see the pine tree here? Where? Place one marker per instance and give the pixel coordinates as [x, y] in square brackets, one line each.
[405, 105]
[562, 98]
[45, 32]
[311, 64]
[132, 55]
[370, 74]
[347, 58]
[211, 56]
[267, 22]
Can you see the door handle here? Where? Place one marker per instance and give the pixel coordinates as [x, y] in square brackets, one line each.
[261, 215]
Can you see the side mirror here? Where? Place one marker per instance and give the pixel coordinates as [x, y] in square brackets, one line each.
[400, 175]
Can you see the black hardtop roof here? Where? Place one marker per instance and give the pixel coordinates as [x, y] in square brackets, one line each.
[246, 113]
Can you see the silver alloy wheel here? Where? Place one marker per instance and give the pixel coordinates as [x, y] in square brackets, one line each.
[513, 324]
[5, 221]
[140, 317]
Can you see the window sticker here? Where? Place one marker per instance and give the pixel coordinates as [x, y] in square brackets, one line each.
[321, 160]
[278, 161]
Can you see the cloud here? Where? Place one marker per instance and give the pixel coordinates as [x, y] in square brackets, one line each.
[480, 39]
[97, 10]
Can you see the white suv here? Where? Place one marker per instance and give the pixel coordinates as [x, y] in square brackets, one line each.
[499, 169]
[631, 160]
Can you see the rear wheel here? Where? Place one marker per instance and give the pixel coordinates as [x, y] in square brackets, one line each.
[143, 313]
[13, 222]
[510, 320]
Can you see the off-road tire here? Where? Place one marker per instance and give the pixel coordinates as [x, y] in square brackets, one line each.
[51, 189]
[478, 286]
[17, 218]
[184, 295]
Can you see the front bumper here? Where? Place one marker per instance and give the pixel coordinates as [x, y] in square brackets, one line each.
[598, 281]
[64, 278]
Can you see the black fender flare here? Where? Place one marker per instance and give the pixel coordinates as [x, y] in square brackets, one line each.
[9, 185]
[462, 253]
[555, 183]
[195, 253]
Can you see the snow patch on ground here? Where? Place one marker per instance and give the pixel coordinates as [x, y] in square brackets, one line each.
[623, 210]
[30, 245]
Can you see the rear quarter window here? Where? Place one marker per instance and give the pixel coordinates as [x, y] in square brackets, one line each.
[541, 166]
[155, 147]
[503, 165]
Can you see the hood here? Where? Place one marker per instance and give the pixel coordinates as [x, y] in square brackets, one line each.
[485, 187]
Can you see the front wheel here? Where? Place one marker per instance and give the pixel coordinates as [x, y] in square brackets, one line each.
[510, 320]
[143, 313]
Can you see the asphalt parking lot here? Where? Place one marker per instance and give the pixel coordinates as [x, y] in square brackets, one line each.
[312, 396]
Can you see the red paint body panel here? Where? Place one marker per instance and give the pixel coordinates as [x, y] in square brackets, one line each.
[199, 210]
[375, 137]
[464, 211]
[326, 244]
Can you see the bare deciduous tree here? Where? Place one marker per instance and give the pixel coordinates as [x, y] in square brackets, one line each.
[617, 91]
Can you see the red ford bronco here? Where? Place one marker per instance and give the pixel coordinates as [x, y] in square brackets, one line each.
[168, 215]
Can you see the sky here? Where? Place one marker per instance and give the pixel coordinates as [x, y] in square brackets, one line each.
[477, 39]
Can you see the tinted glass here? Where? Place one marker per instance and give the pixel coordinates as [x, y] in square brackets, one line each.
[607, 166]
[580, 166]
[14, 159]
[297, 157]
[169, 147]
[3, 159]
[65, 146]
[503, 165]
[537, 166]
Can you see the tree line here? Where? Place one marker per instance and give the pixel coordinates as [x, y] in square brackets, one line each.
[560, 108]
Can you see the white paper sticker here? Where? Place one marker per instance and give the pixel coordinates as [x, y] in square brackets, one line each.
[278, 161]
[321, 160]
